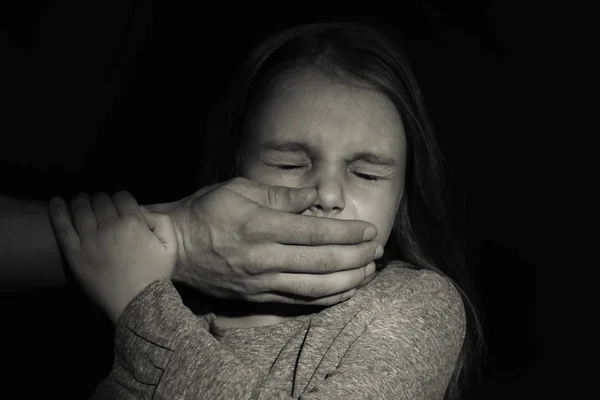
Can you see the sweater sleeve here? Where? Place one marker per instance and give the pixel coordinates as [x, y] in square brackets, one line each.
[408, 351]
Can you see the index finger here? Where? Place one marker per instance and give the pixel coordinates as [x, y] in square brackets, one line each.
[127, 205]
[287, 228]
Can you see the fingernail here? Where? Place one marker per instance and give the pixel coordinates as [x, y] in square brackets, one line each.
[348, 294]
[369, 233]
[379, 251]
[301, 194]
[370, 269]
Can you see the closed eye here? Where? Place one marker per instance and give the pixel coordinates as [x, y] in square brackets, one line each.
[366, 177]
[288, 167]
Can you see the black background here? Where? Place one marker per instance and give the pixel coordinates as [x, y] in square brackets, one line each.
[102, 96]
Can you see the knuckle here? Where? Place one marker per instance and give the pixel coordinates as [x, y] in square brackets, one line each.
[243, 261]
[272, 194]
[130, 222]
[236, 181]
[316, 236]
[324, 265]
[246, 228]
[253, 287]
[250, 227]
[303, 259]
[288, 228]
[309, 289]
[316, 290]
[299, 289]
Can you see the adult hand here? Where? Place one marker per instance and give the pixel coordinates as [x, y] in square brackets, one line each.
[246, 240]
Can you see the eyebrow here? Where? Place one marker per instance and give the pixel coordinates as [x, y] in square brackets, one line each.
[293, 146]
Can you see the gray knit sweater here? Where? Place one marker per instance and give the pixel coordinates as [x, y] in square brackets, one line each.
[398, 338]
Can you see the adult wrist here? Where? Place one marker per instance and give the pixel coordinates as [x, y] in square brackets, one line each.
[178, 219]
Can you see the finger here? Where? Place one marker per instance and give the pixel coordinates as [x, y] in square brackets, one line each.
[105, 210]
[288, 299]
[365, 281]
[310, 259]
[162, 226]
[219, 292]
[286, 228]
[60, 220]
[281, 198]
[318, 286]
[126, 205]
[84, 219]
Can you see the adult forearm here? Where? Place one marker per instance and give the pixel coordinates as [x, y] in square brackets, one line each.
[29, 255]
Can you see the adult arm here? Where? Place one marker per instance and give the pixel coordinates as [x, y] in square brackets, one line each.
[237, 239]
[29, 255]
[408, 351]
[219, 255]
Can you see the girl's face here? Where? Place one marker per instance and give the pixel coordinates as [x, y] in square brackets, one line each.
[348, 143]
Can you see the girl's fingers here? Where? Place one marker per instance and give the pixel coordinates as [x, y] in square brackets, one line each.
[104, 208]
[126, 205]
[162, 227]
[66, 235]
[84, 218]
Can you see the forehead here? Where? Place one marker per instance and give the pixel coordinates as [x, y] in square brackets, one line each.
[314, 108]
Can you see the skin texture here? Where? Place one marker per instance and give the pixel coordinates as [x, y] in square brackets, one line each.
[311, 132]
[341, 134]
[115, 250]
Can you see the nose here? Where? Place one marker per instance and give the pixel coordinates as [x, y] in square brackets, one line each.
[330, 197]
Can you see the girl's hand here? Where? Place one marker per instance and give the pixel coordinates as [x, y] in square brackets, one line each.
[113, 247]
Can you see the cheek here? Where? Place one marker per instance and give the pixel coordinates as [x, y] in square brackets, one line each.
[381, 214]
[248, 167]
[379, 209]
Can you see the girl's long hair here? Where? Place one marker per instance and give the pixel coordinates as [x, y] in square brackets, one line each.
[355, 54]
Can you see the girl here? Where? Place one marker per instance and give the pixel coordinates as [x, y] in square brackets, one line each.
[329, 106]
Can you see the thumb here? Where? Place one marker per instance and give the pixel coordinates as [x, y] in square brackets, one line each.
[161, 225]
[281, 198]
[293, 200]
